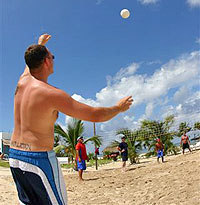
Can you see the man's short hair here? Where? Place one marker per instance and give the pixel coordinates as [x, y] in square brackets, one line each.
[34, 56]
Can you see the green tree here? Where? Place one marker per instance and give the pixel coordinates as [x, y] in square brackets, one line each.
[56, 140]
[75, 129]
[197, 126]
[183, 128]
[91, 155]
[151, 130]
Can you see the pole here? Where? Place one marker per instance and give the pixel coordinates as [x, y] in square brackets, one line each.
[95, 148]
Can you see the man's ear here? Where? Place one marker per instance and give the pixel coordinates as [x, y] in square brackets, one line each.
[46, 62]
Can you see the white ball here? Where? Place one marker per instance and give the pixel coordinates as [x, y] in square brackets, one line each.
[125, 13]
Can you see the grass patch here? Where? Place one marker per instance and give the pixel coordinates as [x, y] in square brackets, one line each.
[4, 163]
[67, 166]
[90, 163]
[99, 162]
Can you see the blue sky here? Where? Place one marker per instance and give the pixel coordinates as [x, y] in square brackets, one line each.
[100, 57]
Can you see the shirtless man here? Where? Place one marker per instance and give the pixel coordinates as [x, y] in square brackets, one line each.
[159, 147]
[185, 142]
[34, 166]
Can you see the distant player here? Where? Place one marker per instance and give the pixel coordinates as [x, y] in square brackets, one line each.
[159, 147]
[123, 148]
[81, 156]
[185, 142]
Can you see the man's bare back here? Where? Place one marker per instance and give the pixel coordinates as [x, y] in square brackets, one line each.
[34, 118]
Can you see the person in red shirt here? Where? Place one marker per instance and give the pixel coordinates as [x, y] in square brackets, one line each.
[81, 156]
[185, 142]
[159, 147]
[97, 151]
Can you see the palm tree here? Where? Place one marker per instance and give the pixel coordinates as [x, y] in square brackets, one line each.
[56, 140]
[151, 130]
[75, 129]
[183, 128]
[134, 143]
[197, 126]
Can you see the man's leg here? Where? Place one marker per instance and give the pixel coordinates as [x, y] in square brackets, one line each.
[162, 159]
[124, 166]
[162, 156]
[80, 172]
[158, 155]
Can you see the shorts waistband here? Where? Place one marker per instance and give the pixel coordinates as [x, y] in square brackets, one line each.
[31, 154]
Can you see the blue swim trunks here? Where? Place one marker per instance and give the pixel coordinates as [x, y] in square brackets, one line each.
[160, 153]
[81, 165]
[38, 177]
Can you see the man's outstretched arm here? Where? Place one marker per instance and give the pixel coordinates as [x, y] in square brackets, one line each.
[64, 103]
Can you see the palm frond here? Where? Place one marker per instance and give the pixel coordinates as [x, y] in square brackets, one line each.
[97, 140]
[58, 130]
[114, 143]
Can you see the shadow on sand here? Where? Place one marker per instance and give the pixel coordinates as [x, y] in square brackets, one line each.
[91, 179]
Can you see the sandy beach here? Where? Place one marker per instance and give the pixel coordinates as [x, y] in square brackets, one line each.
[177, 181]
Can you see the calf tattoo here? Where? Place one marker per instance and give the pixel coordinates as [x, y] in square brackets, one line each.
[23, 146]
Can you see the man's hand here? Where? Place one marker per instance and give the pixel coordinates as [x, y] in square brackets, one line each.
[43, 39]
[125, 103]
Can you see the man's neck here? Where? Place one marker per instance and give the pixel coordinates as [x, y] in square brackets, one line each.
[40, 77]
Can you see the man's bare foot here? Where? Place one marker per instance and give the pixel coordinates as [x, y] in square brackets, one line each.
[81, 180]
[124, 169]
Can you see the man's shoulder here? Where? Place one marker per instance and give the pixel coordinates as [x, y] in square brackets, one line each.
[123, 143]
[78, 145]
[49, 90]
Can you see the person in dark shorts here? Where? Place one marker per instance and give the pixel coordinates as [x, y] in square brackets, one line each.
[185, 142]
[123, 148]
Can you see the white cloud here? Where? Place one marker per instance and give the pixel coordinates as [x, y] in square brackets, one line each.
[123, 73]
[179, 108]
[194, 3]
[187, 111]
[181, 94]
[167, 110]
[149, 109]
[86, 101]
[181, 74]
[191, 3]
[146, 2]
